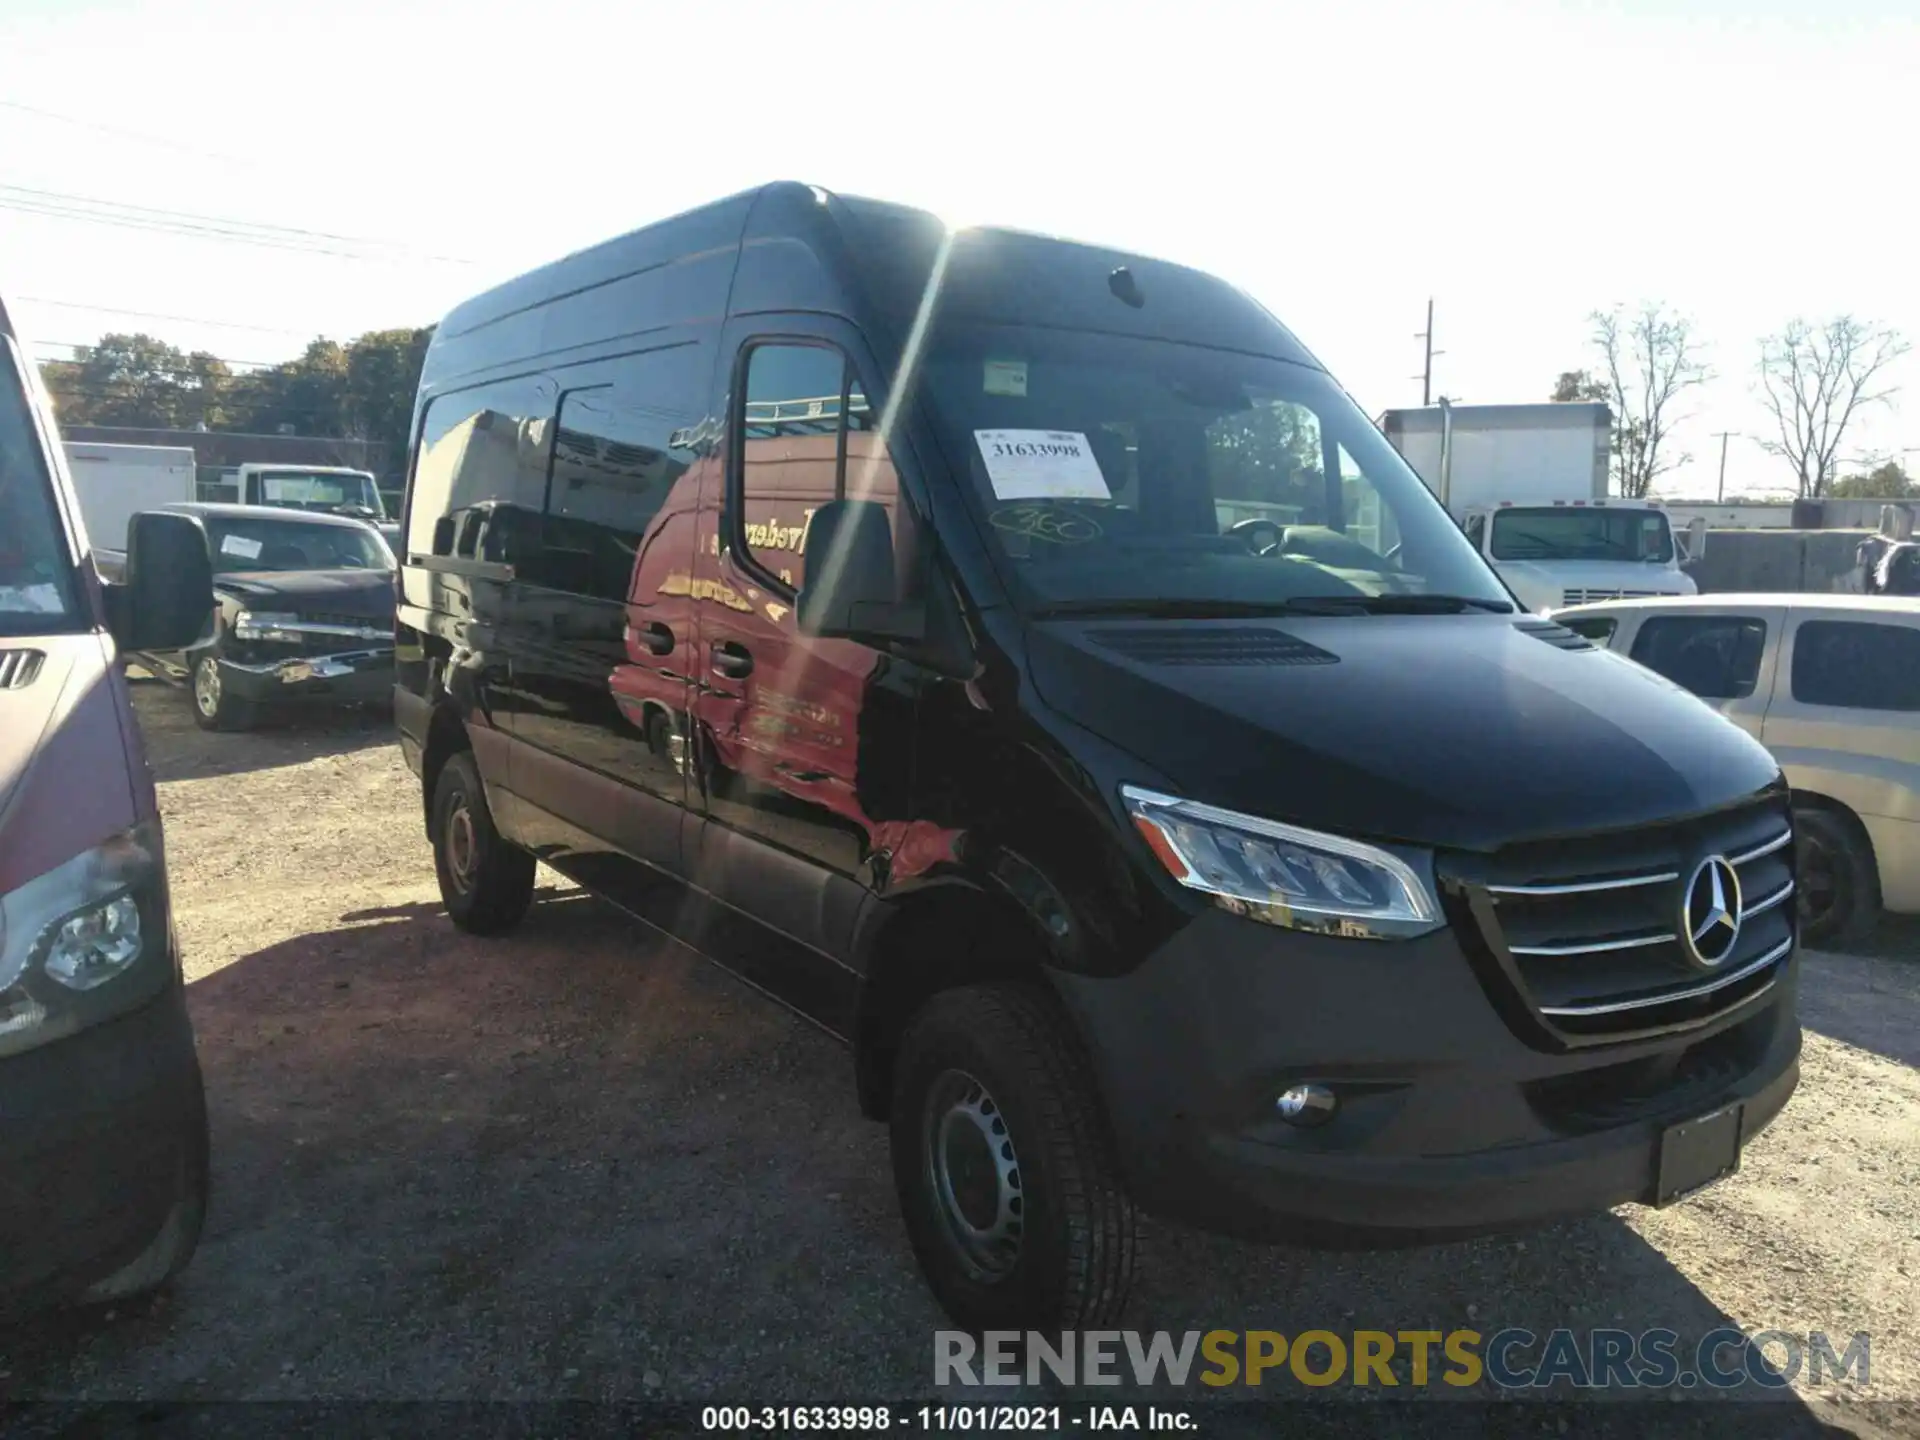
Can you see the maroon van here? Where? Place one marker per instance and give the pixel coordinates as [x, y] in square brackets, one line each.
[103, 1123]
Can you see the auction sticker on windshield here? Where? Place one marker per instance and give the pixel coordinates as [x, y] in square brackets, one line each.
[241, 545]
[1041, 465]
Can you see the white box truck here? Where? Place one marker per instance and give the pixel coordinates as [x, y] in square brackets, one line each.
[335, 489]
[116, 482]
[1528, 483]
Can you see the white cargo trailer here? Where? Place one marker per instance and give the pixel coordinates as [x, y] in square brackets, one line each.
[116, 482]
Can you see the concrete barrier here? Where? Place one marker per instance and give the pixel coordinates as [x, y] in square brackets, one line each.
[1745, 561]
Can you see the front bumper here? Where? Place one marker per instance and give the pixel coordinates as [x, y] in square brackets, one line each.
[99, 1134]
[349, 677]
[1449, 1124]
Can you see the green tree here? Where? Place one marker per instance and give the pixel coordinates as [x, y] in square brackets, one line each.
[1887, 481]
[383, 372]
[1578, 386]
[360, 390]
[122, 380]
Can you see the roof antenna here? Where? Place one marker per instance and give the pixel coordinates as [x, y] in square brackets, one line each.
[1125, 287]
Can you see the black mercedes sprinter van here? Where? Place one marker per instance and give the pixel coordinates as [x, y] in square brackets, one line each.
[1026, 662]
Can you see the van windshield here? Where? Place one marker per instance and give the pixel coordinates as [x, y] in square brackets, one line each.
[1123, 472]
[1563, 533]
[37, 591]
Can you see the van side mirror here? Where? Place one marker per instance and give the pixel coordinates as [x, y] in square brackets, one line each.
[167, 593]
[852, 589]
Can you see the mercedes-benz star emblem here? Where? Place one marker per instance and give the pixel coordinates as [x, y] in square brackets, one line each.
[1710, 912]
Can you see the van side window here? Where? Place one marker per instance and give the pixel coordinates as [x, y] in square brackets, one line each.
[483, 449]
[1856, 664]
[613, 466]
[1717, 657]
[1477, 533]
[805, 435]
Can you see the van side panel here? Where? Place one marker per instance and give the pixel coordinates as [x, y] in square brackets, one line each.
[676, 271]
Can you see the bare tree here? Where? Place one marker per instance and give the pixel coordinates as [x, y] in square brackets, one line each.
[1651, 359]
[1813, 379]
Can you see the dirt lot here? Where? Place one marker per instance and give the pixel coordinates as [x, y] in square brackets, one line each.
[580, 1164]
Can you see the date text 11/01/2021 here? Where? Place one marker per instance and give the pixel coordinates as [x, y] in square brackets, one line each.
[857, 1419]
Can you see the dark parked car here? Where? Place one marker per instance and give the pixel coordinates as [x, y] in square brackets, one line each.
[303, 613]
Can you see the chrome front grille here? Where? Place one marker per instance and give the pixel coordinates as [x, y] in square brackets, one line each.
[1589, 933]
[1586, 595]
[345, 621]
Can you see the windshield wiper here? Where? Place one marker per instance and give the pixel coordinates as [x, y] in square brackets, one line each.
[1393, 605]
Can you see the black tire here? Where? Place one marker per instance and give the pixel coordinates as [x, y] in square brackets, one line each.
[207, 696]
[167, 1254]
[485, 883]
[1839, 883]
[1031, 1114]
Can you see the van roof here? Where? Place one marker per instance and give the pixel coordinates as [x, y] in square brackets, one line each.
[788, 246]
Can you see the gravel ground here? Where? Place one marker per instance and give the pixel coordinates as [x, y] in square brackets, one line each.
[582, 1165]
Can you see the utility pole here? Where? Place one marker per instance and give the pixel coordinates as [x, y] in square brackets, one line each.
[1426, 372]
[1723, 465]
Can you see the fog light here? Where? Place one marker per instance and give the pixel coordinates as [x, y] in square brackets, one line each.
[1306, 1105]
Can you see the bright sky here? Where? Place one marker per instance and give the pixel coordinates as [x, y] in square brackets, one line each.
[1522, 163]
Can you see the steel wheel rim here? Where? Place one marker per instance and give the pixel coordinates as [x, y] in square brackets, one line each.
[206, 687]
[973, 1175]
[463, 846]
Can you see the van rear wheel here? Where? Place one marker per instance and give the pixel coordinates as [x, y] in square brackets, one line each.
[485, 882]
[1004, 1165]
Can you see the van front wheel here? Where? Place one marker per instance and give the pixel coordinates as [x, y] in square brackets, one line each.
[485, 883]
[1005, 1167]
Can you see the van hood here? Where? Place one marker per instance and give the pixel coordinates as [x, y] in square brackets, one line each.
[367, 593]
[66, 771]
[1452, 731]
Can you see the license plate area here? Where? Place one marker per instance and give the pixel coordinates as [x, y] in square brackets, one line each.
[1695, 1153]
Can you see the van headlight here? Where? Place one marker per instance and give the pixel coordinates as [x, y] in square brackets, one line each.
[84, 942]
[1282, 874]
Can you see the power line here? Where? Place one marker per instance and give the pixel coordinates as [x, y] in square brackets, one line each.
[55, 204]
[52, 212]
[156, 315]
[114, 130]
